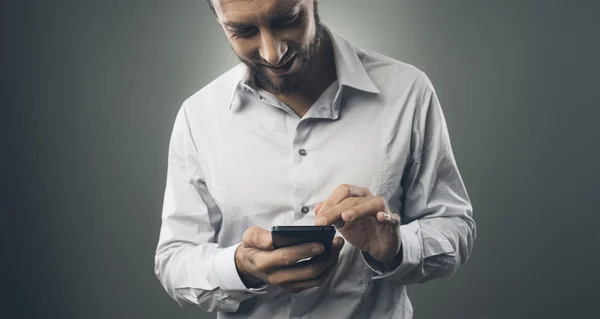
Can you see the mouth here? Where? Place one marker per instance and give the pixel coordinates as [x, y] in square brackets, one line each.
[282, 68]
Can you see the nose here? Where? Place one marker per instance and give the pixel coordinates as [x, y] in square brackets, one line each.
[271, 48]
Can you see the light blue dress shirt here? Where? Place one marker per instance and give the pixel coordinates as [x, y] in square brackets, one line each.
[238, 157]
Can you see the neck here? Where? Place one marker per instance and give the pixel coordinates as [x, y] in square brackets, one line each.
[320, 77]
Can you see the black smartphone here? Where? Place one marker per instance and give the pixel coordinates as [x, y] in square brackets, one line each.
[284, 236]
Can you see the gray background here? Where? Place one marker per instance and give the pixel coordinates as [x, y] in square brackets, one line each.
[93, 88]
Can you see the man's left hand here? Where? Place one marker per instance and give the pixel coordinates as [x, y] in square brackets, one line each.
[364, 220]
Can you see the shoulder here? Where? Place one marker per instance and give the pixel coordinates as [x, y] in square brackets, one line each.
[217, 93]
[200, 111]
[406, 89]
[393, 76]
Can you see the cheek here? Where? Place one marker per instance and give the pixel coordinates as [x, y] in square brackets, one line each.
[298, 37]
[243, 48]
[301, 35]
[308, 35]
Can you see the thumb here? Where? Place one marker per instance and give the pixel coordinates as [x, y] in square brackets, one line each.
[258, 238]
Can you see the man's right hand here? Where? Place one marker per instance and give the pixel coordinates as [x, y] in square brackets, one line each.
[258, 262]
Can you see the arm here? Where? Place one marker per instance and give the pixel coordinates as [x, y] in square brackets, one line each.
[438, 229]
[189, 263]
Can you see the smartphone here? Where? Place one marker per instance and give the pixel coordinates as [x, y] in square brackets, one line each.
[284, 236]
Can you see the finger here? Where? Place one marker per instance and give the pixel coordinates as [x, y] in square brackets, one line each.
[336, 246]
[307, 270]
[388, 218]
[257, 238]
[302, 285]
[342, 192]
[287, 256]
[338, 243]
[368, 208]
[299, 286]
[333, 216]
[318, 208]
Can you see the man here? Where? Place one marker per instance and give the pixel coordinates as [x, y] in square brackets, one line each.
[309, 130]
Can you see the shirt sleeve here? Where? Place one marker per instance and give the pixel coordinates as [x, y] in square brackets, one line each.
[191, 266]
[438, 229]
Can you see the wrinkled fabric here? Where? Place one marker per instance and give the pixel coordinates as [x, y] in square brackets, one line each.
[234, 161]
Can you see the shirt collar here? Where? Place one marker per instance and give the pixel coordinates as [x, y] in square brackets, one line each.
[350, 69]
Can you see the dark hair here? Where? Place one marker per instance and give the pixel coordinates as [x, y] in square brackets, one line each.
[212, 8]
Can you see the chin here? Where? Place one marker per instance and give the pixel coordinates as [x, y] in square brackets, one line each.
[282, 80]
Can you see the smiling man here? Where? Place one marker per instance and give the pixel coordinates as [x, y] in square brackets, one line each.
[309, 130]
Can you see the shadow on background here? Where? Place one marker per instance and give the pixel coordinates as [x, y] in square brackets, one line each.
[93, 88]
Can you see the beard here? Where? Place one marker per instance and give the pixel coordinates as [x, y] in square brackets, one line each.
[290, 83]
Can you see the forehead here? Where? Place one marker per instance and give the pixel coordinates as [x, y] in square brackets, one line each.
[251, 10]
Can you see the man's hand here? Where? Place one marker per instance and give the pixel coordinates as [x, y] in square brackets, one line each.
[258, 262]
[364, 220]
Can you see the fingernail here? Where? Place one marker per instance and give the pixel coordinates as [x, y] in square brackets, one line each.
[317, 249]
[348, 215]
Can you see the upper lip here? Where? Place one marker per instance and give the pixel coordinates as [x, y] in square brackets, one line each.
[280, 65]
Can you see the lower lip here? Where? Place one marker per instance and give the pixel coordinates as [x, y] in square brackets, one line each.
[284, 70]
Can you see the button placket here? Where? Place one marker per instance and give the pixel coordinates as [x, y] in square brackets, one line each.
[301, 186]
[304, 209]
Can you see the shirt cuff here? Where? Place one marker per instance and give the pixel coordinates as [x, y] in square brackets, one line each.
[227, 274]
[411, 254]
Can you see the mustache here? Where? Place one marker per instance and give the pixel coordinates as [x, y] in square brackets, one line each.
[287, 58]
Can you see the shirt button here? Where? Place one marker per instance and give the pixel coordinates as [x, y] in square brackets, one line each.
[302, 152]
[305, 209]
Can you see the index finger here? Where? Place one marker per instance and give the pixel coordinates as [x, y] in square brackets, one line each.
[290, 255]
[339, 194]
[334, 216]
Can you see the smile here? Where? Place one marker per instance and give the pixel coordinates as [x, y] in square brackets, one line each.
[284, 67]
[281, 66]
